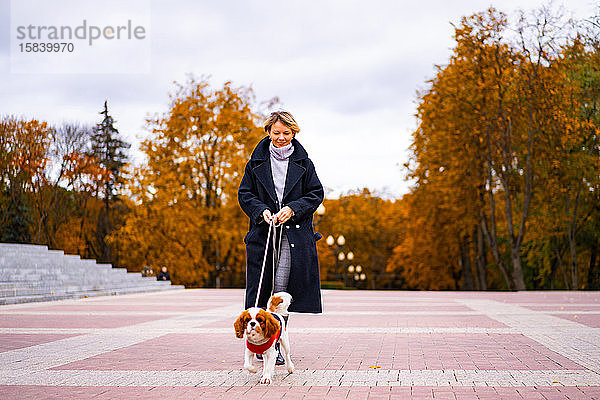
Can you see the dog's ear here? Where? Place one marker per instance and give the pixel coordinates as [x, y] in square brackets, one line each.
[274, 302]
[240, 324]
[271, 324]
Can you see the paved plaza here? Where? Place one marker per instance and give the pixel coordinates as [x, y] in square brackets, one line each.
[366, 345]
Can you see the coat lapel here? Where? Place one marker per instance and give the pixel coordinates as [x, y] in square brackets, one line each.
[294, 173]
[263, 173]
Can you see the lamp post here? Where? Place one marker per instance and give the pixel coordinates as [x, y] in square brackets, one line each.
[320, 212]
[339, 254]
[359, 275]
[349, 257]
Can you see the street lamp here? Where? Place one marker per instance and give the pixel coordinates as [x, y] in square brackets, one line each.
[320, 212]
[330, 240]
[349, 257]
[339, 254]
[359, 276]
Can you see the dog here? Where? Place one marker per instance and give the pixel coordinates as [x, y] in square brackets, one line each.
[263, 329]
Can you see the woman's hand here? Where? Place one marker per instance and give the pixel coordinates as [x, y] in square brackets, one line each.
[284, 215]
[267, 216]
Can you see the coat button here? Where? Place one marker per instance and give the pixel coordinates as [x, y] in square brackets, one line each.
[292, 244]
[297, 226]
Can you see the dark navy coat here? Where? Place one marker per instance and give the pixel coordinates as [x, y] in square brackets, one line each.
[303, 193]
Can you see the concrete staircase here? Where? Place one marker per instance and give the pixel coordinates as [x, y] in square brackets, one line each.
[33, 273]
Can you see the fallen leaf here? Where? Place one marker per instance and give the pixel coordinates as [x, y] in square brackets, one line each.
[555, 381]
[375, 366]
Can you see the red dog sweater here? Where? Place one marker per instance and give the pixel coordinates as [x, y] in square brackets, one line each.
[261, 348]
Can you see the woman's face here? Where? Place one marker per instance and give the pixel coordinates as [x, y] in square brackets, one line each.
[280, 134]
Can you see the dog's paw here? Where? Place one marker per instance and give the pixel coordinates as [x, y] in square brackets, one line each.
[265, 380]
[250, 368]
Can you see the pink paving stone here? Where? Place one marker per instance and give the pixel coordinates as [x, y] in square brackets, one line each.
[565, 308]
[126, 307]
[395, 307]
[382, 297]
[280, 392]
[590, 320]
[12, 341]
[337, 352]
[381, 321]
[73, 321]
[52, 392]
[525, 297]
[330, 351]
[427, 351]
[171, 352]
[147, 393]
[190, 295]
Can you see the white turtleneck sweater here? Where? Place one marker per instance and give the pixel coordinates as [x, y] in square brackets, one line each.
[280, 157]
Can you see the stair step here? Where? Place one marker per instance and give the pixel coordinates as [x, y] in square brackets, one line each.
[78, 295]
[34, 273]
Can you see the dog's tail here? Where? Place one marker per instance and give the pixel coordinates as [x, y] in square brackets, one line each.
[279, 303]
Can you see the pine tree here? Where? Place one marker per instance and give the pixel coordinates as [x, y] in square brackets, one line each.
[111, 153]
[15, 217]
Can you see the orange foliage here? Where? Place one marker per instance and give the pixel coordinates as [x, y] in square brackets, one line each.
[186, 215]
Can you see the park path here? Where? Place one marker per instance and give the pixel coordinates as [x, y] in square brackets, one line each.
[366, 345]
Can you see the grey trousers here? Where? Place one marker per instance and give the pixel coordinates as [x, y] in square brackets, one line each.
[282, 273]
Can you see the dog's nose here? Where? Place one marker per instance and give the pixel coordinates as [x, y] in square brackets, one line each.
[252, 324]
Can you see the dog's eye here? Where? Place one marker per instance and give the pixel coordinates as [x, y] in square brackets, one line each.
[259, 319]
[246, 320]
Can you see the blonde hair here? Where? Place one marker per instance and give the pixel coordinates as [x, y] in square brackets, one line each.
[285, 118]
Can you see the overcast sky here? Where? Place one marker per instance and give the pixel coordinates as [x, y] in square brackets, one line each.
[348, 71]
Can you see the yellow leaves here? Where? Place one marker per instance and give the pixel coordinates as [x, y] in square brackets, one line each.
[371, 226]
[23, 148]
[485, 124]
[187, 216]
[203, 142]
[424, 255]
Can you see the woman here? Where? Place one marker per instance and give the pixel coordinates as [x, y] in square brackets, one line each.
[280, 183]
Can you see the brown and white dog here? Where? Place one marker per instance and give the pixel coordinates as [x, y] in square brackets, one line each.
[263, 329]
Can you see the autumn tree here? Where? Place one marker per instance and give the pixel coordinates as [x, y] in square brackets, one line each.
[23, 157]
[55, 191]
[427, 256]
[186, 215]
[371, 227]
[512, 112]
[502, 149]
[590, 78]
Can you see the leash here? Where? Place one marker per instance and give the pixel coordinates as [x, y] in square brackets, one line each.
[276, 249]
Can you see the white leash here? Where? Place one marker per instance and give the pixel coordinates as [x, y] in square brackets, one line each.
[276, 250]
